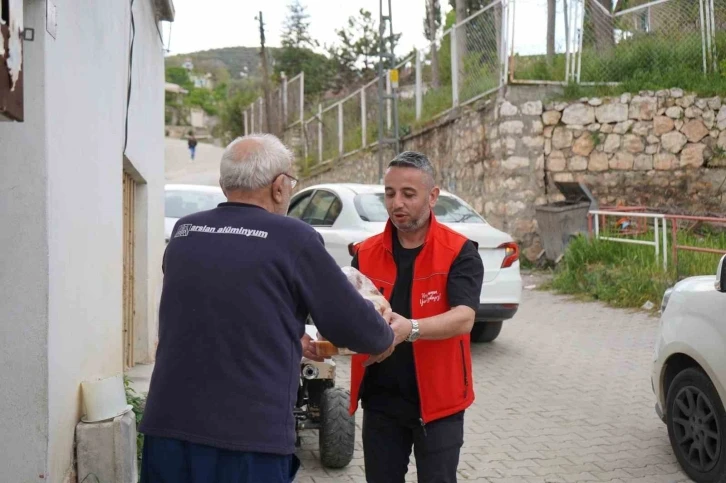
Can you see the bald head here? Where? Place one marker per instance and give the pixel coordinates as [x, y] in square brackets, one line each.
[253, 162]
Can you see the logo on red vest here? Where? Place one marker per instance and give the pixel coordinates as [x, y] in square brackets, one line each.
[432, 296]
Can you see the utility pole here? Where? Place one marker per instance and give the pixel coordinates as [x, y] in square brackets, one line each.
[265, 76]
[385, 76]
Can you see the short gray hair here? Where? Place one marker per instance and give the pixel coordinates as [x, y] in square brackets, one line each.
[255, 168]
[416, 160]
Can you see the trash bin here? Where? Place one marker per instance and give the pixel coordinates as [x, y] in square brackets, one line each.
[559, 222]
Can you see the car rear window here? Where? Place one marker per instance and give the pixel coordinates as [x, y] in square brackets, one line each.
[181, 203]
[371, 207]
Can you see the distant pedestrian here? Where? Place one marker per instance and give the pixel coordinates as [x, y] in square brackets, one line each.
[192, 143]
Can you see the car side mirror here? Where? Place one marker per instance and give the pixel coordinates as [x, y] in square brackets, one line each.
[721, 276]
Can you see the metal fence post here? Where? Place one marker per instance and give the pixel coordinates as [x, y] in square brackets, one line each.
[363, 119]
[340, 129]
[388, 100]
[581, 32]
[284, 100]
[665, 244]
[597, 227]
[703, 35]
[304, 137]
[504, 41]
[246, 120]
[320, 133]
[302, 96]
[713, 37]
[454, 69]
[419, 94]
[656, 241]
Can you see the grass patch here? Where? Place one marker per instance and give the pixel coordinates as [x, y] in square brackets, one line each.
[644, 62]
[628, 276]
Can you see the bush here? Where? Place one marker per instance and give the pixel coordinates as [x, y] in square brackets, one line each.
[137, 403]
[626, 275]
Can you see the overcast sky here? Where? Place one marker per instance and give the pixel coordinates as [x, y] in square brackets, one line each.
[227, 23]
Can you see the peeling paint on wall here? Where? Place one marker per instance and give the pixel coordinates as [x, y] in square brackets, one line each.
[15, 43]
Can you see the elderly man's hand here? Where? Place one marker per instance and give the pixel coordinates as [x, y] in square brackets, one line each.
[309, 351]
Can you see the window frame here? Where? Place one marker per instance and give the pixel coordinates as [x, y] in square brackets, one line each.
[307, 208]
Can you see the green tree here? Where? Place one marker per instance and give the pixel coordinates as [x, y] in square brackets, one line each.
[317, 68]
[202, 98]
[231, 120]
[296, 28]
[358, 45]
[296, 54]
[179, 76]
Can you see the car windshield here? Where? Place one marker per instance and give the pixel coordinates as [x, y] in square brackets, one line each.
[371, 207]
[181, 203]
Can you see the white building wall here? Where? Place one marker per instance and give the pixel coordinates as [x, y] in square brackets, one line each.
[61, 186]
[145, 152]
[24, 275]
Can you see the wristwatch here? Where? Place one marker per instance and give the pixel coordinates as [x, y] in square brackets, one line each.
[415, 334]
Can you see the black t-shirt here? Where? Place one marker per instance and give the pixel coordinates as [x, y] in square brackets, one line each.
[390, 386]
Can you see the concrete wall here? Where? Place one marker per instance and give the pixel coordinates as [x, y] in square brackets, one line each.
[85, 198]
[61, 185]
[24, 274]
[145, 153]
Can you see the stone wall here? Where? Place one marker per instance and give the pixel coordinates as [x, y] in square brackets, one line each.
[662, 149]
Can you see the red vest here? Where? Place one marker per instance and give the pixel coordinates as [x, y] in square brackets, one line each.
[443, 367]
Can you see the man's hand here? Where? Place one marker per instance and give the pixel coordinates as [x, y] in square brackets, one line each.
[402, 328]
[380, 357]
[309, 350]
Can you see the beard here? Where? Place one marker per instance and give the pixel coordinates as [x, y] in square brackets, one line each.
[412, 225]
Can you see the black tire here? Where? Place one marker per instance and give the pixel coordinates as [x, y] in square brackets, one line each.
[697, 426]
[485, 331]
[337, 429]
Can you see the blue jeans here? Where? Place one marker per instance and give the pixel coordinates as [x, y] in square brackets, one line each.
[166, 460]
[192, 151]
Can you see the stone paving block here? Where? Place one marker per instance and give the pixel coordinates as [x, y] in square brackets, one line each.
[563, 395]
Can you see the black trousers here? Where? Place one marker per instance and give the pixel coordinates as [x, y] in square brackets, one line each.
[387, 444]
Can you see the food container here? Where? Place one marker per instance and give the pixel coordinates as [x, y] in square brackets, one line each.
[325, 348]
[368, 291]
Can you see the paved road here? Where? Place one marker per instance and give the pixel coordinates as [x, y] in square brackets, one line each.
[563, 395]
[181, 169]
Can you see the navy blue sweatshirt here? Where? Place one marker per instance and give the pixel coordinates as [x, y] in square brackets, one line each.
[239, 283]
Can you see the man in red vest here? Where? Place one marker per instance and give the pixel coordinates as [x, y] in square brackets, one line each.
[415, 395]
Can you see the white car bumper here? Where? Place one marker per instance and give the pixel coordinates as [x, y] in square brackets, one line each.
[500, 298]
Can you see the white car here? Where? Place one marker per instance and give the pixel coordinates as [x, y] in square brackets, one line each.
[345, 214]
[184, 199]
[689, 374]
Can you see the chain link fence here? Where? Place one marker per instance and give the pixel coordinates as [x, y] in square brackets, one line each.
[432, 81]
[294, 92]
[538, 54]
[663, 42]
[478, 47]
[650, 42]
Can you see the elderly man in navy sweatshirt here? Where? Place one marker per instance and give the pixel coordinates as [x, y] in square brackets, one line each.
[239, 283]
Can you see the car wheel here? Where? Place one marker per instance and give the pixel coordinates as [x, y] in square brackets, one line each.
[485, 331]
[697, 426]
[337, 429]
